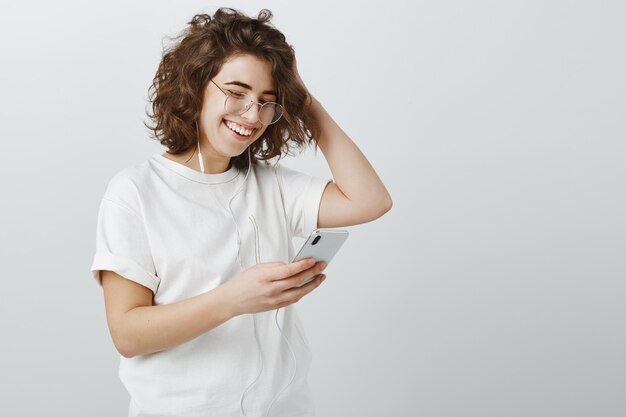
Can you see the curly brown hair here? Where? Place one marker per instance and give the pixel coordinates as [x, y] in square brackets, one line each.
[198, 54]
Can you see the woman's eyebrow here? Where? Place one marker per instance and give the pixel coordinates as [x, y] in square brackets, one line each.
[246, 86]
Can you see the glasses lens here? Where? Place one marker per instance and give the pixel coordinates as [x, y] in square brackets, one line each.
[236, 103]
[270, 113]
[239, 103]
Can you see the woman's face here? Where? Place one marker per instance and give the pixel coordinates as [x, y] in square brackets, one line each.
[240, 74]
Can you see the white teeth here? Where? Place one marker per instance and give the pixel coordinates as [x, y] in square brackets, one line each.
[239, 129]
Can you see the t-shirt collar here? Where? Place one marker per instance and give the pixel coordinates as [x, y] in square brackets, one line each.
[194, 175]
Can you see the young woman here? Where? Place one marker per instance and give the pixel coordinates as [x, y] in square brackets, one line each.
[193, 246]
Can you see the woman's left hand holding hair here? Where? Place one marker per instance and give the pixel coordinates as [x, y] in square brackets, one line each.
[357, 194]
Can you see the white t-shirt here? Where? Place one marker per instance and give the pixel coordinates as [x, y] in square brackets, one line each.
[167, 227]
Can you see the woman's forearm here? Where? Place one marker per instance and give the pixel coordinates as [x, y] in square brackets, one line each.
[150, 329]
[351, 170]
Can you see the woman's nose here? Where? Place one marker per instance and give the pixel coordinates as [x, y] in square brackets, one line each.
[252, 114]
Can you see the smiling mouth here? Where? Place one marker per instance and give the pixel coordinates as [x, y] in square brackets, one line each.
[238, 129]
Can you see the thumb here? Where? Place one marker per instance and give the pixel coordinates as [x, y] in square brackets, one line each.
[271, 264]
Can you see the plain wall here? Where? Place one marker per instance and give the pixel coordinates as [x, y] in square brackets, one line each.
[494, 287]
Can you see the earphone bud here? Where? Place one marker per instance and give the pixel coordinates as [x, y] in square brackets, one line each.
[200, 159]
[199, 153]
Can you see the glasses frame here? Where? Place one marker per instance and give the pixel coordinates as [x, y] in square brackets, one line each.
[250, 103]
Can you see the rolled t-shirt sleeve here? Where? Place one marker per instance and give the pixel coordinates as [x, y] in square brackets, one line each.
[122, 244]
[302, 195]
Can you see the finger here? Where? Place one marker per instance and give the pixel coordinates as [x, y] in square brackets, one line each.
[295, 294]
[299, 279]
[271, 264]
[288, 270]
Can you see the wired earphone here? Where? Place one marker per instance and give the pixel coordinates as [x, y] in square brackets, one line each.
[256, 336]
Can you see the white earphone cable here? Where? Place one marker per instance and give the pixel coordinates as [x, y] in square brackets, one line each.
[256, 336]
[200, 158]
[230, 211]
[295, 364]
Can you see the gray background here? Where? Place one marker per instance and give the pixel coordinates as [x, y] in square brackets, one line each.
[494, 287]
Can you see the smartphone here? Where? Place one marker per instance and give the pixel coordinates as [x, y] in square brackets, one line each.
[322, 245]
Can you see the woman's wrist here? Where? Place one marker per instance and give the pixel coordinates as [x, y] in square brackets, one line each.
[227, 301]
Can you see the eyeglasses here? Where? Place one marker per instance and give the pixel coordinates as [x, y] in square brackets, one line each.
[239, 103]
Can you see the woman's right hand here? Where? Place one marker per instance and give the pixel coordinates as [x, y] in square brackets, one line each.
[269, 286]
